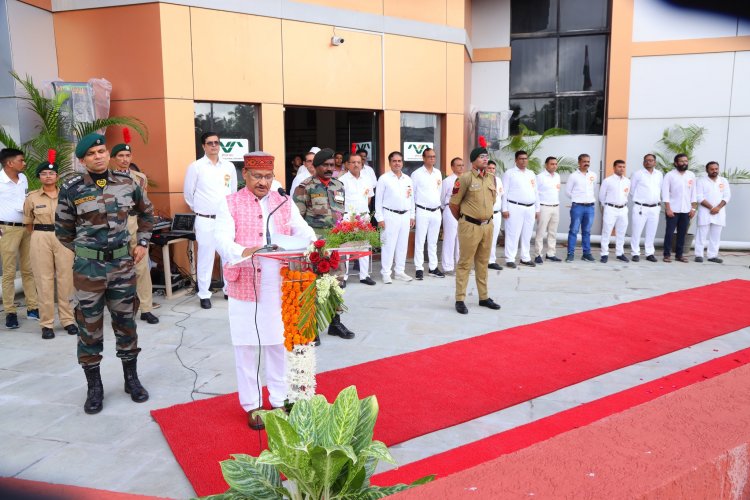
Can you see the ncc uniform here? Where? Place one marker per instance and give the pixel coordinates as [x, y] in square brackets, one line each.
[474, 193]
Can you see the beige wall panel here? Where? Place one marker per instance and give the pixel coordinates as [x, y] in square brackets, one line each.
[467, 17]
[468, 126]
[454, 78]
[415, 76]
[308, 51]
[175, 46]
[272, 137]
[453, 144]
[84, 53]
[428, 11]
[236, 57]
[455, 11]
[369, 6]
[391, 134]
[180, 140]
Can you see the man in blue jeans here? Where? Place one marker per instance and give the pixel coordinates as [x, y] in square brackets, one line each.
[581, 189]
[679, 197]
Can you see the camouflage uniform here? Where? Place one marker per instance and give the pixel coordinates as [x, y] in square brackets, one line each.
[320, 205]
[93, 222]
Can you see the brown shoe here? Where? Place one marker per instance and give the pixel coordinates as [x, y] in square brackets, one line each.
[667, 259]
[254, 421]
[682, 259]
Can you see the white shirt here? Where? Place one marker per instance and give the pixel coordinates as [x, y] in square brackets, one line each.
[580, 187]
[499, 197]
[427, 187]
[369, 173]
[679, 190]
[12, 197]
[446, 190]
[646, 187]
[548, 187]
[357, 193]
[395, 193]
[615, 190]
[302, 174]
[520, 186]
[713, 191]
[207, 184]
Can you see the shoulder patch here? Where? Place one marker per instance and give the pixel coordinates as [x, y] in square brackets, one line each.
[72, 181]
[125, 175]
[456, 186]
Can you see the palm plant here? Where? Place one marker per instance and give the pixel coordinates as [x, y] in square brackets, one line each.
[52, 125]
[679, 140]
[530, 141]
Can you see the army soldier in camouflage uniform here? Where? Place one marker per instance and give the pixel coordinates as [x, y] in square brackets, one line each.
[92, 220]
[320, 200]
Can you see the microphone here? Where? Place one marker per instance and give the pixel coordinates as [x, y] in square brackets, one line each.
[268, 220]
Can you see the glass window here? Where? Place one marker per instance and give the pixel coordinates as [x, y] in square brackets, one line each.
[534, 16]
[536, 114]
[583, 62]
[578, 15]
[418, 130]
[581, 114]
[533, 65]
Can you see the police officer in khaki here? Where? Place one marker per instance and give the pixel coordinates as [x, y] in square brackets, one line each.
[473, 197]
[50, 260]
[121, 158]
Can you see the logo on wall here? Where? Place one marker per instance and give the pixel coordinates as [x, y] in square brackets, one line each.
[367, 146]
[234, 149]
[413, 150]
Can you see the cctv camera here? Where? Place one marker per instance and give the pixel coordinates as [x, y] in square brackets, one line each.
[337, 40]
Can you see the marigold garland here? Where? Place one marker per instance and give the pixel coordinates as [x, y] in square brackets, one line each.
[293, 284]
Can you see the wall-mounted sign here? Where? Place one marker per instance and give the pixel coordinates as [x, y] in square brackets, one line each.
[234, 149]
[367, 146]
[413, 150]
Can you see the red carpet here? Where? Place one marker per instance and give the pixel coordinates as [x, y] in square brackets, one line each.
[482, 374]
[478, 452]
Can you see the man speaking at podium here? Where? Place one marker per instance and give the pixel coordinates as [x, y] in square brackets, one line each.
[254, 285]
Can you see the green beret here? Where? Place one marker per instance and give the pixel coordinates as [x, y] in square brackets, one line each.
[45, 165]
[120, 147]
[87, 142]
[476, 152]
[322, 156]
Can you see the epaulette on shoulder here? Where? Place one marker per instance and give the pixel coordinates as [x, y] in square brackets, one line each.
[72, 180]
[122, 174]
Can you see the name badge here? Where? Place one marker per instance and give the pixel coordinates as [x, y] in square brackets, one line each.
[338, 198]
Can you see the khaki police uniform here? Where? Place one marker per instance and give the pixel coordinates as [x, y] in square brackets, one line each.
[50, 260]
[144, 286]
[475, 194]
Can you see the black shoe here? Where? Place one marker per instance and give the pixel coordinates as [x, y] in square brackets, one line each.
[461, 307]
[495, 266]
[71, 329]
[527, 263]
[569, 258]
[489, 303]
[635, 258]
[367, 281]
[435, 273]
[95, 392]
[699, 259]
[716, 260]
[149, 318]
[651, 258]
[11, 321]
[226, 297]
[511, 265]
[419, 275]
[132, 384]
[538, 260]
[32, 314]
[342, 284]
[316, 342]
[206, 303]
[338, 329]
[48, 333]
[588, 257]
[622, 258]
[604, 259]
[554, 258]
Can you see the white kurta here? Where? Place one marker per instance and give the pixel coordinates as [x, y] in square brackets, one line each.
[713, 192]
[242, 313]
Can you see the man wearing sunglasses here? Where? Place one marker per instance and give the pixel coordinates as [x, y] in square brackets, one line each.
[209, 180]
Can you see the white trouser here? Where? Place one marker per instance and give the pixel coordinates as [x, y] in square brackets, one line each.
[519, 226]
[616, 218]
[204, 235]
[546, 226]
[497, 220]
[711, 234]
[274, 364]
[647, 217]
[427, 227]
[395, 241]
[364, 268]
[450, 241]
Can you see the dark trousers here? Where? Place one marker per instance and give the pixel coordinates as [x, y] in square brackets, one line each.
[680, 221]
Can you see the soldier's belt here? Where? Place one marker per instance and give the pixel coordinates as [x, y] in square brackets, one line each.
[478, 222]
[44, 227]
[108, 254]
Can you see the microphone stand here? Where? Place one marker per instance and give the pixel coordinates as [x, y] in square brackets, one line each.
[269, 247]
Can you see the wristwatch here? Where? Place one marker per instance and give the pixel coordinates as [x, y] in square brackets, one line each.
[143, 242]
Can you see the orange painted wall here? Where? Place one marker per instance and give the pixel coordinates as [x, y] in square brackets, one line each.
[415, 72]
[175, 47]
[428, 11]
[369, 6]
[455, 10]
[42, 4]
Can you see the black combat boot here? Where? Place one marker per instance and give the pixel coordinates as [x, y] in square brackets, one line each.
[132, 384]
[95, 393]
[337, 328]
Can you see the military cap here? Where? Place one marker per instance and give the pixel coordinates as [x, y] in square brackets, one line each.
[481, 150]
[123, 146]
[258, 160]
[87, 142]
[49, 164]
[322, 156]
